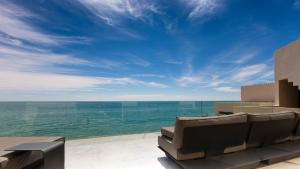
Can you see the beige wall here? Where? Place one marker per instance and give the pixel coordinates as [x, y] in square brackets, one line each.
[288, 94]
[257, 107]
[236, 107]
[258, 93]
[287, 67]
[285, 95]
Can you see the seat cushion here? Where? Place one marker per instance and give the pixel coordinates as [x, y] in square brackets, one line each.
[168, 132]
[269, 128]
[256, 117]
[186, 122]
[168, 147]
[296, 132]
[3, 161]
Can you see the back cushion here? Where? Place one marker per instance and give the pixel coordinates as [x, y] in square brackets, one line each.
[210, 134]
[269, 128]
[297, 124]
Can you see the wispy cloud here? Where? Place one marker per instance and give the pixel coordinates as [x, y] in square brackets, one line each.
[189, 80]
[24, 69]
[267, 75]
[113, 11]
[202, 9]
[248, 71]
[26, 64]
[149, 75]
[16, 29]
[215, 81]
[13, 25]
[239, 53]
[18, 59]
[124, 61]
[200, 81]
[109, 64]
[227, 89]
[28, 81]
[174, 62]
[296, 4]
[139, 97]
[245, 57]
[154, 84]
[136, 60]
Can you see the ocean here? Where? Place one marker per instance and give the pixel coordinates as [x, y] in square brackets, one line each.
[93, 119]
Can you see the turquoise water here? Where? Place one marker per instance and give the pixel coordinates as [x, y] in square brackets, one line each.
[91, 119]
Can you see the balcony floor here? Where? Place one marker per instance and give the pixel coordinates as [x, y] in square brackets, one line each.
[129, 152]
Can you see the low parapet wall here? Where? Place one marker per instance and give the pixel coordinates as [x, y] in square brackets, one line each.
[258, 93]
[265, 107]
[248, 107]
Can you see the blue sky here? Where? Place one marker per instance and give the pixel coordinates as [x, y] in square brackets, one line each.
[140, 49]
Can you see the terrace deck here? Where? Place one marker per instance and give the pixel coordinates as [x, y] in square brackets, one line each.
[130, 152]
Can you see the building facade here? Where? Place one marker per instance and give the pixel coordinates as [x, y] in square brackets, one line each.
[283, 94]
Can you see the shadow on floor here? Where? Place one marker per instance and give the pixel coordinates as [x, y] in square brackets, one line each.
[167, 163]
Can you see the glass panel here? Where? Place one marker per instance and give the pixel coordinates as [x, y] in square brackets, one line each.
[88, 119]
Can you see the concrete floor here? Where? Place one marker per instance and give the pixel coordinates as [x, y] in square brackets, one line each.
[129, 152]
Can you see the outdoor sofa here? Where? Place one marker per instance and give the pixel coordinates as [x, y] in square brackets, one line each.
[236, 141]
[32, 152]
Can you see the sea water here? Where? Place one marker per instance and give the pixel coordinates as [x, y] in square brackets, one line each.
[93, 119]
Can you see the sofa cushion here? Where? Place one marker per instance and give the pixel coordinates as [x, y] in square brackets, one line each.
[296, 132]
[212, 135]
[168, 147]
[270, 128]
[255, 117]
[168, 132]
[185, 122]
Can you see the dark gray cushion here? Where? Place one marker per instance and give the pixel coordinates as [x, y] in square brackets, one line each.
[270, 116]
[270, 128]
[167, 132]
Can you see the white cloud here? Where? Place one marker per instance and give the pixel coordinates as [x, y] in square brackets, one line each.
[28, 81]
[167, 97]
[18, 59]
[215, 81]
[107, 64]
[5, 39]
[155, 85]
[174, 62]
[200, 80]
[119, 64]
[296, 4]
[139, 97]
[112, 11]
[227, 89]
[138, 61]
[268, 75]
[249, 71]
[203, 8]
[149, 75]
[15, 28]
[189, 80]
[239, 53]
[245, 57]
[13, 25]
[130, 81]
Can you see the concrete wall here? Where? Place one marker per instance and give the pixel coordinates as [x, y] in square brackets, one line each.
[236, 107]
[250, 107]
[258, 93]
[288, 94]
[283, 95]
[287, 67]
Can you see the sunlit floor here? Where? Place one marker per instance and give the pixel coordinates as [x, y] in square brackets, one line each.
[129, 152]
